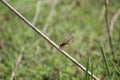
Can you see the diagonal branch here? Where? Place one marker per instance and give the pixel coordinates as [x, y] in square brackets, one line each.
[47, 38]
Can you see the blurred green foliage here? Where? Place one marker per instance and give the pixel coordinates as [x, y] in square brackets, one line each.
[79, 18]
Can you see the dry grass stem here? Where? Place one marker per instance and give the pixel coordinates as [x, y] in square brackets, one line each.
[50, 16]
[114, 20]
[73, 4]
[102, 12]
[37, 13]
[17, 64]
[107, 26]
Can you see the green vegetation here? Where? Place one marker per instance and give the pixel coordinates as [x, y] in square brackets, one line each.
[82, 19]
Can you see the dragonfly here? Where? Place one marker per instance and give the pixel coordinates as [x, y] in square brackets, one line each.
[66, 42]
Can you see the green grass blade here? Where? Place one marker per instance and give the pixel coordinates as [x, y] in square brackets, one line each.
[92, 69]
[105, 60]
[87, 68]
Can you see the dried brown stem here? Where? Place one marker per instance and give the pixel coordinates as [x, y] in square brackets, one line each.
[50, 16]
[102, 12]
[107, 26]
[37, 13]
[117, 14]
[17, 64]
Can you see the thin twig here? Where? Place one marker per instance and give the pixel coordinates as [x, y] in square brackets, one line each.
[45, 27]
[37, 13]
[47, 38]
[107, 26]
[72, 5]
[102, 12]
[113, 21]
[17, 64]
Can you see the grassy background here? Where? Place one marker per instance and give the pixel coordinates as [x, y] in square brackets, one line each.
[43, 62]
